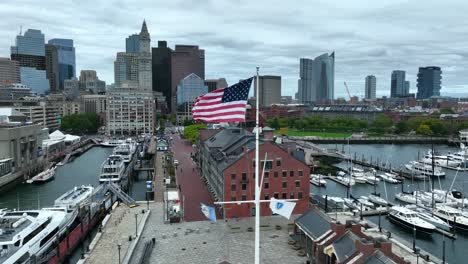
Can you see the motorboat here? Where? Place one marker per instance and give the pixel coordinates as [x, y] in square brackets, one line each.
[409, 219]
[317, 180]
[364, 200]
[44, 176]
[441, 160]
[24, 234]
[346, 181]
[360, 179]
[376, 199]
[112, 143]
[126, 150]
[389, 177]
[424, 169]
[426, 215]
[453, 216]
[452, 196]
[75, 197]
[407, 198]
[112, 169]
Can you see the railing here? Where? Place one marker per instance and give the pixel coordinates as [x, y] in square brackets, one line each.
[145, 257]
[127, 199]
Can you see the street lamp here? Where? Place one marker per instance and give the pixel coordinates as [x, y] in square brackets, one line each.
[136, 224]
[118, 247]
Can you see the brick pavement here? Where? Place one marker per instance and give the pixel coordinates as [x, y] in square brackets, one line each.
[159, 186]
[192, 187]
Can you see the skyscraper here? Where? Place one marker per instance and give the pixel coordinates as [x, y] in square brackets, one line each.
[135, 67]
[371, 87]
[162, 69]
[269, 90]
[52, 67]
[186, 59]
[316, 79]
[187, 91]
[214, 84]
[66, 59]
[88, 75]
[399, 87]
[132, 44]
[429, 82]
[144, 59]
[30, 53]
[9, 71]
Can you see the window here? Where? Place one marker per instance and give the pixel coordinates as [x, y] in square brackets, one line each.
[244, 176]
[244, 197]
[285, 184]
[298, 184]
[291, 173]
[267, 185]
[244, 186]
[278, 162]
[291, 195]
[233, 187]
[275, 174]
[267, 174]
[284, 196]
[299, 195]
[276, 195]
[233, 176]
[299, 173]
[267, 196]
[233, 198]
[285, 173]
[268, 165]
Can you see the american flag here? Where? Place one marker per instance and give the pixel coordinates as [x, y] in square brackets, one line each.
[223, 105]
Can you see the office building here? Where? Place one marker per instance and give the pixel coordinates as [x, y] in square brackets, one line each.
[227, 163]
[52, 68]
[316, 79]
[69, 108]
[66, 59]
[130, 110]
[88, 75]
[71, 89]
[429, 82]
[125, 68]
[214, 84]
[9, 71]
[187, 91]
[29, 51]
[399, 86]
[44, 113]
[95, 103]
[132, 44]
[269, 90]
[371, 87]
[14, 91]
[186, 59]
[162, 71]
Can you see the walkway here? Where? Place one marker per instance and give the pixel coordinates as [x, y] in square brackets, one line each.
[193, 189]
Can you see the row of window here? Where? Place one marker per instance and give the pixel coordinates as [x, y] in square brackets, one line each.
[284, 174]
[284, 195]
[266, 185]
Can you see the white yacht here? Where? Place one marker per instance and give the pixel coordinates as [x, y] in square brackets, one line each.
[317, 180]
[126, 150]
[407, 198]
[75, 197]
[112, 169]
[389, 177]
[27, 233]
[424, 169]
[44, 176]
[346, 181]
[112, 143]
[426, 215]
[453, 216]
[441, 160]
[409, 219]
[376, 199]
[461, 156]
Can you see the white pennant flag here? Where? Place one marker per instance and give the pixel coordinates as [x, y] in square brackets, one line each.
[281, 207]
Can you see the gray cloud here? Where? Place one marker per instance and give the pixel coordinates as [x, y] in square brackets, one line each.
[369, 37]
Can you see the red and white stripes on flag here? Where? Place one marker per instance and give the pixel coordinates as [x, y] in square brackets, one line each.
[223, 105]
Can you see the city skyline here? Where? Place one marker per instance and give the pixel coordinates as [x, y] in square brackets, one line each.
[369, 38]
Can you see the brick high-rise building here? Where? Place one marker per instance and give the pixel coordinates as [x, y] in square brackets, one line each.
[186, 59]
[52, 68]
[9, 71]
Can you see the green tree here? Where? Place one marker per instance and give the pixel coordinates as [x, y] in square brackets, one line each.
[275, 124]
[402, 127]
[191, 132]
[382, 123]
[81, 123]
[446, 111]
[424, 130]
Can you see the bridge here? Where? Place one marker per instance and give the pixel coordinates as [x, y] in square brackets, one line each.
[375, 140]
[313, 150]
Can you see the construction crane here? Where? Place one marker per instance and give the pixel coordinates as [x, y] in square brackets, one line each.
[347, 90]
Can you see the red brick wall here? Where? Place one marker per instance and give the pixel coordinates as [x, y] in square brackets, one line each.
[245, 165]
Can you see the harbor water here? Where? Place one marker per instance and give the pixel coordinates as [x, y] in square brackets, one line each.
[398, 156]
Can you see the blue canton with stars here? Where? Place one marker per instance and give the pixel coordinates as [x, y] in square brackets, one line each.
[237, 92]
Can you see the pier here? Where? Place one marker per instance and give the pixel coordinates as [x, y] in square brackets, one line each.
[376, 140]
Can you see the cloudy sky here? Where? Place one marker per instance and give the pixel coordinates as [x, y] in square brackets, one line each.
[368, 36]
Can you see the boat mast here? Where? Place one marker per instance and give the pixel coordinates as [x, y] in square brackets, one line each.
[433, 167]
[257, 176]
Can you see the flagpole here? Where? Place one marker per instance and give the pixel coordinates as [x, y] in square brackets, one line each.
[257, 176]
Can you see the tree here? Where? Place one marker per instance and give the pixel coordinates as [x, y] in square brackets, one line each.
[424, 130]
[191, 132]
[446, 111]
[382, 123]
[188, 122]
[402, 127]
[275, 124]
[81, 123]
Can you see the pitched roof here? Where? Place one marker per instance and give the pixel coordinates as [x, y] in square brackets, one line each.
[313, 223]
[378, 258]
[345, 246]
